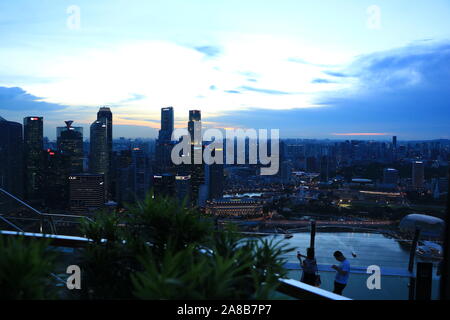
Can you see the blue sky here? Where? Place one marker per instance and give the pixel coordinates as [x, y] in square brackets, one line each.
[325, 69]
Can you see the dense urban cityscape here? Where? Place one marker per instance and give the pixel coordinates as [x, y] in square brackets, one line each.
[337, 180]
[228, 151]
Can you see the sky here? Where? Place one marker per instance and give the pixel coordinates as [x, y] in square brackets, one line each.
[313, 69]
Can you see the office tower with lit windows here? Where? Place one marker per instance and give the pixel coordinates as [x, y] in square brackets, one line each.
[418, 174]
[11, 157]
[99, 156]
[87, 193]
[101, 147]
[33, 144]
[70, 142]
[164, 185]
[56, 184]
[197, 170]
[183, 188]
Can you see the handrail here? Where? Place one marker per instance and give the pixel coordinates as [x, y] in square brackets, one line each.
[10, 223]
[47, 215]
[303, 291]
[290, 287]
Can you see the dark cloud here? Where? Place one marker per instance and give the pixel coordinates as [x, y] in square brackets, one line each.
[209, 51]
[17, 99]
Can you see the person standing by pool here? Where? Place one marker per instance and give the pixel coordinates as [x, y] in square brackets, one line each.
[342, 272]
[309, 266]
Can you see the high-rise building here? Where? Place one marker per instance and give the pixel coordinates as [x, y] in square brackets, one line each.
[390, 176]
[167, 124]
[164, 185]
[33, 142]
[99, 150]
[70, 142]
[56, 183]
[183, 188]
[133, 177]
[214, 180]
[195, 126]
[104, 115]
[11, 157]
[197, 171]
[417, 174]
[87, 192]
[164, 144]
[394, 142]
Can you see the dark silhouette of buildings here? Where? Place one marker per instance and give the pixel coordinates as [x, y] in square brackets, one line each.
[87, 192]
[33, 145]
[70, 142]
[11, 157]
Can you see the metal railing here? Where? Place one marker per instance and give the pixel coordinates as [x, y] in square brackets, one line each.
[48, 217]
[290, 287]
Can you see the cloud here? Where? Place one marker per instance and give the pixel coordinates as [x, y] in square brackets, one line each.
[17, 99]
[320, 80]
[209, 51]
[404, 90]
[335, 74]
[266, 91]
[134, 97]
[232, 91]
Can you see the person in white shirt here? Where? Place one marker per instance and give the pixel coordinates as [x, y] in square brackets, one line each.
[342, 272]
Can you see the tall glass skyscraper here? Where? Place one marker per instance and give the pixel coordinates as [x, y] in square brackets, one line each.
[100, 160]
[11, 157]
[33, 141]
[195, 126]
[197, 171]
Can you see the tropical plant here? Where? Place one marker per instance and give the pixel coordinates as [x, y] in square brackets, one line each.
[25, 269]
[161, 250]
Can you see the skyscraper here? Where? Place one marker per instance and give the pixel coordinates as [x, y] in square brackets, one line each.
[167, 124]
[99, 151]
[70, 142]
[86, 192]
[11, 157]
[197, 171]
[195, 126]
[105, 115]
[417, 174]
[33, 155]
[133, 176]
[164, 144]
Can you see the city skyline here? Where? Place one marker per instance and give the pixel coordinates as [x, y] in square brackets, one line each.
[357, 70]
